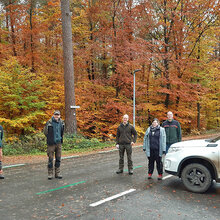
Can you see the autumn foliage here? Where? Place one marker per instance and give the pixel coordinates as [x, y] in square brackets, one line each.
[175, 43]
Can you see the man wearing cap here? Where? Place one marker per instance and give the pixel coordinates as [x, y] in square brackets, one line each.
[1, 136]
[54, 130]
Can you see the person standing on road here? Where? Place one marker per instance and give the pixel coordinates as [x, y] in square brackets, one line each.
[155, 146]
[1, 137]
[54, 130]
[125, 139]
[173, 130]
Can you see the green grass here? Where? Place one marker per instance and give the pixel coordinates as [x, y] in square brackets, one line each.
[36, 145]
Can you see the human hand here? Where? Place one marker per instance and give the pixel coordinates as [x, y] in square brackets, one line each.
[132, 143]
[117, 146]
[144, 149]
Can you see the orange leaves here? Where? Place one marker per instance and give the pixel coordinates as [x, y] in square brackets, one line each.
[53, 3]
[176, 54]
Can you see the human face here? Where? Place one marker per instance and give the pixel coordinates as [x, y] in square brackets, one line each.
[56, 117]
[155, 124]
[170, 116]
[125, 119]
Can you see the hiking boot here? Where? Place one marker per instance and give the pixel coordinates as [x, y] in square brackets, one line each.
[119, 171]
[130, 172]
[57, 173]
[159, 177]
[149, 176]
[1, 176]
[50, 174]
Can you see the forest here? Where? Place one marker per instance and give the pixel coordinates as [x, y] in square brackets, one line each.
[174, 43]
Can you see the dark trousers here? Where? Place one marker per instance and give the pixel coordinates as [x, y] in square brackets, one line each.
[1, 161]
[50, 153]
[154, 156]
[128, 149]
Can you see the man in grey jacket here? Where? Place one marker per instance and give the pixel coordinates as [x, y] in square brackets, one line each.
[125, 139]
[54, 130]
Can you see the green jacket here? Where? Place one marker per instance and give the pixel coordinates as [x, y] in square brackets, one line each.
[173, 131]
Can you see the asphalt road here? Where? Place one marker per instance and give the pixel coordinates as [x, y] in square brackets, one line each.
[27, 194]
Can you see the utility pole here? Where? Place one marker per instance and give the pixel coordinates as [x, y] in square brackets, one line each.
[134, 97]
[70, 113]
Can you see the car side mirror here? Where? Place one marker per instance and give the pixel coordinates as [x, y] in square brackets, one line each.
[212, 145]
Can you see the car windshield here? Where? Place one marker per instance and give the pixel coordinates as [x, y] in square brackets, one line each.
[213, 140]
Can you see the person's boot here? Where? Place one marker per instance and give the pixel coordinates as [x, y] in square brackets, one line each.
[130, 172]
[1, 176]
[160, 177]
[149, 176]
[57, 173]
[119, 171]
[50, 173]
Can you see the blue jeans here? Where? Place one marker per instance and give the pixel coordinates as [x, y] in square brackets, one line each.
[167, 147]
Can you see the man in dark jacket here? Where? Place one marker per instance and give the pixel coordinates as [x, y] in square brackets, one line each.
[54, 130]
[125, 139]
[1, 137]
[173, 131]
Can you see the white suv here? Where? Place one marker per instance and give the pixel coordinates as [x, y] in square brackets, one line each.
[196, 162]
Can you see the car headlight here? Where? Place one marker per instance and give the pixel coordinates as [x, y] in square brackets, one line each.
[174, 149]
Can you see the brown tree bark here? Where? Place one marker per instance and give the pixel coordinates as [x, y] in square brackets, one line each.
[12, 23]
[31, 36]
[70, 113]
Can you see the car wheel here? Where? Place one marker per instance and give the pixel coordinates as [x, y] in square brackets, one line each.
[196, 178]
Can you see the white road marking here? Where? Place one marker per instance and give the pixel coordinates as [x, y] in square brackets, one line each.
[15, 165]
[108, 151]
[166, 177]
[70, 157]
[112, 197]
[103, 152]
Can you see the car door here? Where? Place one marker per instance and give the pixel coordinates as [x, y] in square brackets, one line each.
[218, 142]
[213, 151]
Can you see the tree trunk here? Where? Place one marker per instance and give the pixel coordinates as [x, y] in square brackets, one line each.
[70, 113]
[148, 93]
[31, 37]
[165, 59]
[7, 20]
[198, 104]
[104, 57]
[114, 58]
[198, 115]
[12, 23]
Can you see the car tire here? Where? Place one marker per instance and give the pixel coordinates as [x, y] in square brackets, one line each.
[196, 178]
